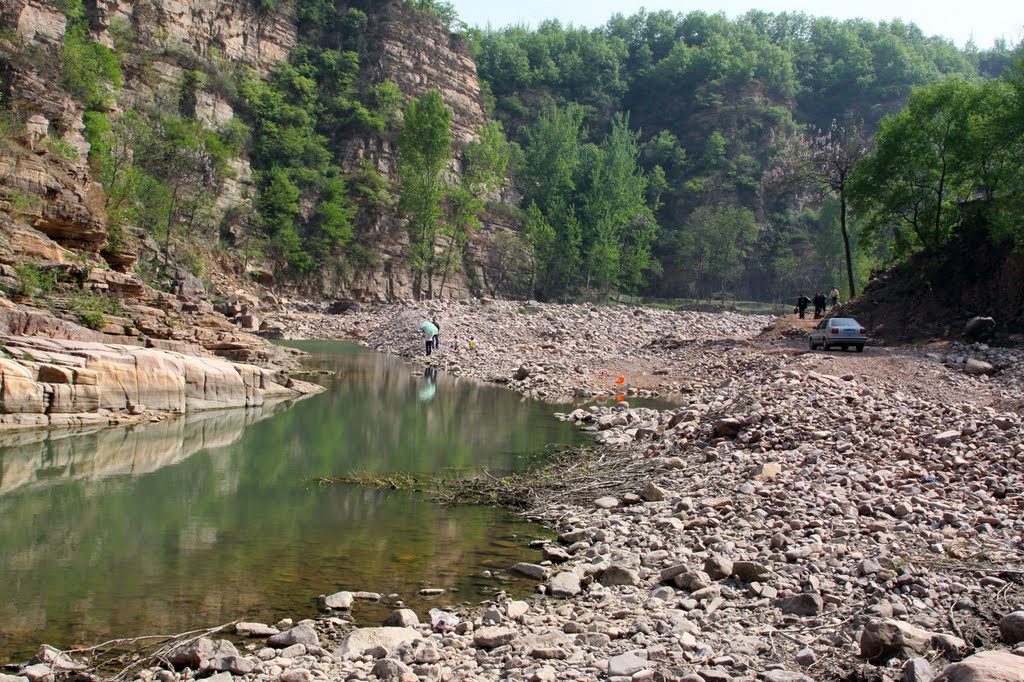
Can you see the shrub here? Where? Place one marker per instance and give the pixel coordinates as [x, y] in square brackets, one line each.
[61, 148]
[91, 308]
[32, 281]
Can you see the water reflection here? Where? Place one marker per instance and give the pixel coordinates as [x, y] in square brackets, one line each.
[218, 516]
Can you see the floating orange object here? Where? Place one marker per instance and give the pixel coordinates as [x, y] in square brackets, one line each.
[620, 380]
[620, 397]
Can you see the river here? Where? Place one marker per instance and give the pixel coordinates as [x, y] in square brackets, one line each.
[218, 515]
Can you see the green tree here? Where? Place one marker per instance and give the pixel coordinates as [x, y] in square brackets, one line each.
[424, 148]
[826, 160]
[719, 241]
[619, 226]
[914, 182]
[485, 164]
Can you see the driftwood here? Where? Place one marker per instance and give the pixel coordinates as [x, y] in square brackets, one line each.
[118, 659]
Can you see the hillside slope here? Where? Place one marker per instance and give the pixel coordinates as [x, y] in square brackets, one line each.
[926, 298]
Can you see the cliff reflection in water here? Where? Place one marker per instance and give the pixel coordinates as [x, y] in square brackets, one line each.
[217, 516]
[38, 456]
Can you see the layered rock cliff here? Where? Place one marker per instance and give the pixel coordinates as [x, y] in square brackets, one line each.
[56, 194]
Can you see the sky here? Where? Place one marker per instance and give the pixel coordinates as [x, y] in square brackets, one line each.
[984, 20]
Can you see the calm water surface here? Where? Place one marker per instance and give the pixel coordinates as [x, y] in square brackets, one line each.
[218, 516]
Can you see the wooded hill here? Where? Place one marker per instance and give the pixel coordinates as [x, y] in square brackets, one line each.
[723, 107]
[346, 148]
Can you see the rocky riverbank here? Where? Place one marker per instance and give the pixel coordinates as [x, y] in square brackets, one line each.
[800, 516]
[56, 373]
[548, 352]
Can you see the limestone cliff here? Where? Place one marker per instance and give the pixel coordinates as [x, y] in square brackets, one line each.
[56, 195]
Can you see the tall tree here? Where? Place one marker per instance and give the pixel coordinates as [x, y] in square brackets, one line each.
[485, 164]
[424, 148]
[719, 238]
[954, 143]
[825, 160]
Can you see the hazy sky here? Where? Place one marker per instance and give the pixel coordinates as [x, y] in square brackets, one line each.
[959, 20]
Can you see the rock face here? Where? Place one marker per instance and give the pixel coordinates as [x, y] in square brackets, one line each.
[61, 383]
[60, 199]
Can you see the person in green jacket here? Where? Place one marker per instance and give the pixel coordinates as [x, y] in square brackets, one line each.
[429, 334]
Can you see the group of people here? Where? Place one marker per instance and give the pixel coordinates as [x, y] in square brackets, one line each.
[432, 337]
[820, 301]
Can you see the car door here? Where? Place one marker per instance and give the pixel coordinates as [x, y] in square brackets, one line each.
[820, 331]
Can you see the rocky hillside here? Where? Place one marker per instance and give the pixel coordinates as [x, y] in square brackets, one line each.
[927, 298]
[195, 58]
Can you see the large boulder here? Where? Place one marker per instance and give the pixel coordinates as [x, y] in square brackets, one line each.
[988, 666]
[360, 640]
[194, 653]
[300, 634]
[1011, 627]
[883, 639]
[980, 327]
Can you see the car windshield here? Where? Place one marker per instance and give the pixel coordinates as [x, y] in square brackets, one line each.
[844, 322]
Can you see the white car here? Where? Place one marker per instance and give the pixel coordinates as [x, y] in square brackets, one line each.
[838, 331]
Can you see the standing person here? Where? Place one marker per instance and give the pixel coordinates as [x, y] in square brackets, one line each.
[833, 297]
[801, 304]
[817, 300]
[437, 334]
[429, 335]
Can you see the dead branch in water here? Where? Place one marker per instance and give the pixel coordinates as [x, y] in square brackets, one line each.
[569, 476]
[129, 654]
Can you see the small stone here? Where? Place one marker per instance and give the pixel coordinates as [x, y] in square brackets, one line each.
[339, 600]
[530, 570]
[750, 571]
[255, 629]
[652, 492]
[918, 670]
[359, 640]
[806, 604]
[606, 503]
[766, 471]
[294, 651]
[617, 574]
[870, 566]
[785, 676]
[494, 636]
[293, 675]
[988, 666]
[977, 367]
[556, 555]
[565, 584]
[718, 567]
[628, 663]
[390, 669]
[39, 672]
[402, 618]
[516, 609]
[728, 427]
[806, 657]
[300, 634]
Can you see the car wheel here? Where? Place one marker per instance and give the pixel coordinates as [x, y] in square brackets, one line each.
[810, 342]
[825, 346]
[860, 348]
